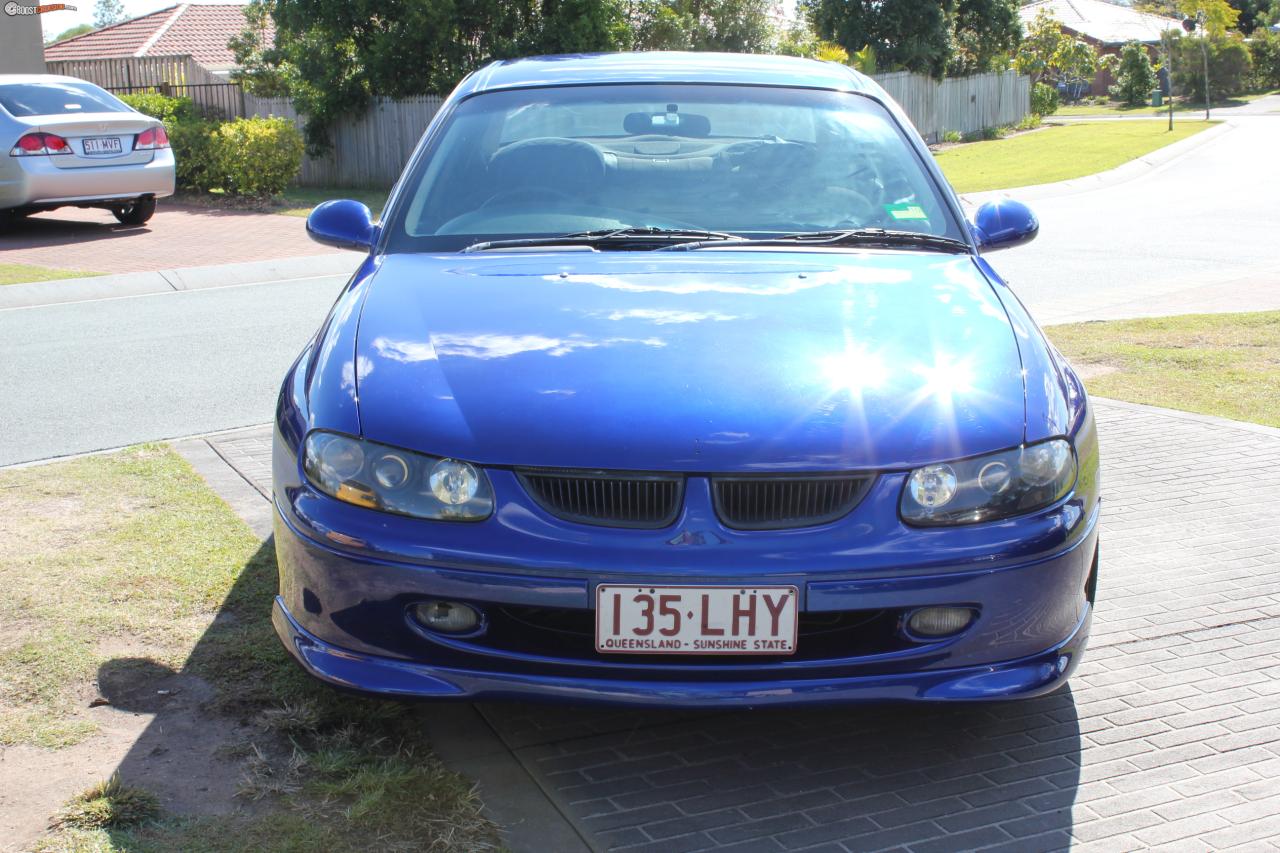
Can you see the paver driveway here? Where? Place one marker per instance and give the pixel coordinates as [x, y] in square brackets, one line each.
[1168, 737]
[177, 236]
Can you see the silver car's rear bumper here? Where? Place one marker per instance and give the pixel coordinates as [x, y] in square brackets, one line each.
[33, 181]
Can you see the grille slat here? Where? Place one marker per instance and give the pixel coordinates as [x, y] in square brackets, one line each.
[624, 499]
[764, 503]
[605, 498]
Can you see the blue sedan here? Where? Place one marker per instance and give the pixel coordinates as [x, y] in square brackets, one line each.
[681, 380]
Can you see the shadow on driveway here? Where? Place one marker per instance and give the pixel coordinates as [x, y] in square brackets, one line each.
[873, 777]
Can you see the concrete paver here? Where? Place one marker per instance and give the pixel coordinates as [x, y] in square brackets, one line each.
[177, 236]
[1167, 736]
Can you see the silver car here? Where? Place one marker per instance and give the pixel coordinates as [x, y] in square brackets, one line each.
[66, 142]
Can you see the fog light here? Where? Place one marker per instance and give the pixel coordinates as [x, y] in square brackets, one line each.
[939, 621]
[447, 617]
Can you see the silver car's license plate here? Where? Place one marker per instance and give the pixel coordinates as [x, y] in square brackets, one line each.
[102, 145]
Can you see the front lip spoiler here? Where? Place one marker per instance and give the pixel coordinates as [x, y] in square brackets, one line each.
[390, 678]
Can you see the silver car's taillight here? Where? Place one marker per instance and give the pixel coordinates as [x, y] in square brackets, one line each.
[33, 144]
[150, 139]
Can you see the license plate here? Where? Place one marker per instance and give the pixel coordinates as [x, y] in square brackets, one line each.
[696, 620]
[102, 145]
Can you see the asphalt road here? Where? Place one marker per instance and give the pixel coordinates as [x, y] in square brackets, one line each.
[1198, 233]
[91, 375]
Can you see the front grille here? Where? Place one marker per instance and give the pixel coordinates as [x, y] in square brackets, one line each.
[570, 634]
[771, 503]
[606, 498]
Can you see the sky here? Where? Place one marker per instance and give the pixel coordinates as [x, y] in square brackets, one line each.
[65, 19]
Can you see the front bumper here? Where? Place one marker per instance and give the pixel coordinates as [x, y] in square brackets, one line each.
[36, 182]
[1022, 678]
[343, 618]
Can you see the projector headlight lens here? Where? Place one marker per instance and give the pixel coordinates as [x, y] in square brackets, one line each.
[453, 482]
[373, 475]
[999, 485]
[932, 486]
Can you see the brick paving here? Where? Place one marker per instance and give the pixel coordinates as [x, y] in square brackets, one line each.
[177, 236]
[1168, 736]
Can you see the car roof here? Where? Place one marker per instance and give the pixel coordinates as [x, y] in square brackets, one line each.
[38, 78]
[664, 67]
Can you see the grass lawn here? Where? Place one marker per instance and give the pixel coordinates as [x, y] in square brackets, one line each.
[23, 273]
[1215, 364]
[298, 201]
[1056, 153]
[114, 568]
[1180, 105]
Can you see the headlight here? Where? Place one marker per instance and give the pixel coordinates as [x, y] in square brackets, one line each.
[393, 480]
[998, 485]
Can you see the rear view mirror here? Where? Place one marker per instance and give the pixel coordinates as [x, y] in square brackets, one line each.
[1003, 224]
[344, 224]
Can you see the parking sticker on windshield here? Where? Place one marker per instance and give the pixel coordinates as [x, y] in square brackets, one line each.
[906, 211]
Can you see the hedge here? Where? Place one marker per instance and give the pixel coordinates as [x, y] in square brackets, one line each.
[245, 156]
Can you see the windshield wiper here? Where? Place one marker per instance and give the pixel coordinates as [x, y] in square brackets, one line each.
[614, 237]
[849, 237]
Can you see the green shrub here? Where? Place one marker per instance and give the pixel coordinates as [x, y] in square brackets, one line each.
[1135, 78]
[257, 156]
[1044, 99]
[1264, 49]
[1230, 67]
[194, 154]
[952, 136]
[1028, 122]
[168, 110]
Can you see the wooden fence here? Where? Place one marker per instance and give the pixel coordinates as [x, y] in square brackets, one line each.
[963, 104]
[369, 150]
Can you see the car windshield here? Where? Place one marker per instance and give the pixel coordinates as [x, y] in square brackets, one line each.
[57, 98]
[749, 160]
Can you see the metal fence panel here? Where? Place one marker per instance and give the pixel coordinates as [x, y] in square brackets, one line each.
[213, 96]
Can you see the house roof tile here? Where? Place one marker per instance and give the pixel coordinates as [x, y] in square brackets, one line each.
[195, 29]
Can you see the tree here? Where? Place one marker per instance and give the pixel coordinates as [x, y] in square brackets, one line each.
[905, 34]
[107, 12]
[1135, 78]
[985, 33]
[1230, 66]
[1220, 15]
[333, 55]
[1264, 48]
[1252, 14]
[739, 26]
[259, 67]
[71, 32]
[1041, 44]
[1047, 54]
[575, 26]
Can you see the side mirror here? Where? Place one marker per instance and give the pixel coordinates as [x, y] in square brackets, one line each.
[1003, 224]
[344, 223]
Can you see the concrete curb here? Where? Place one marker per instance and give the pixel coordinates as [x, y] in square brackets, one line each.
[173, 280]
[1148, 163]
[1195, 417]
[243, 497]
